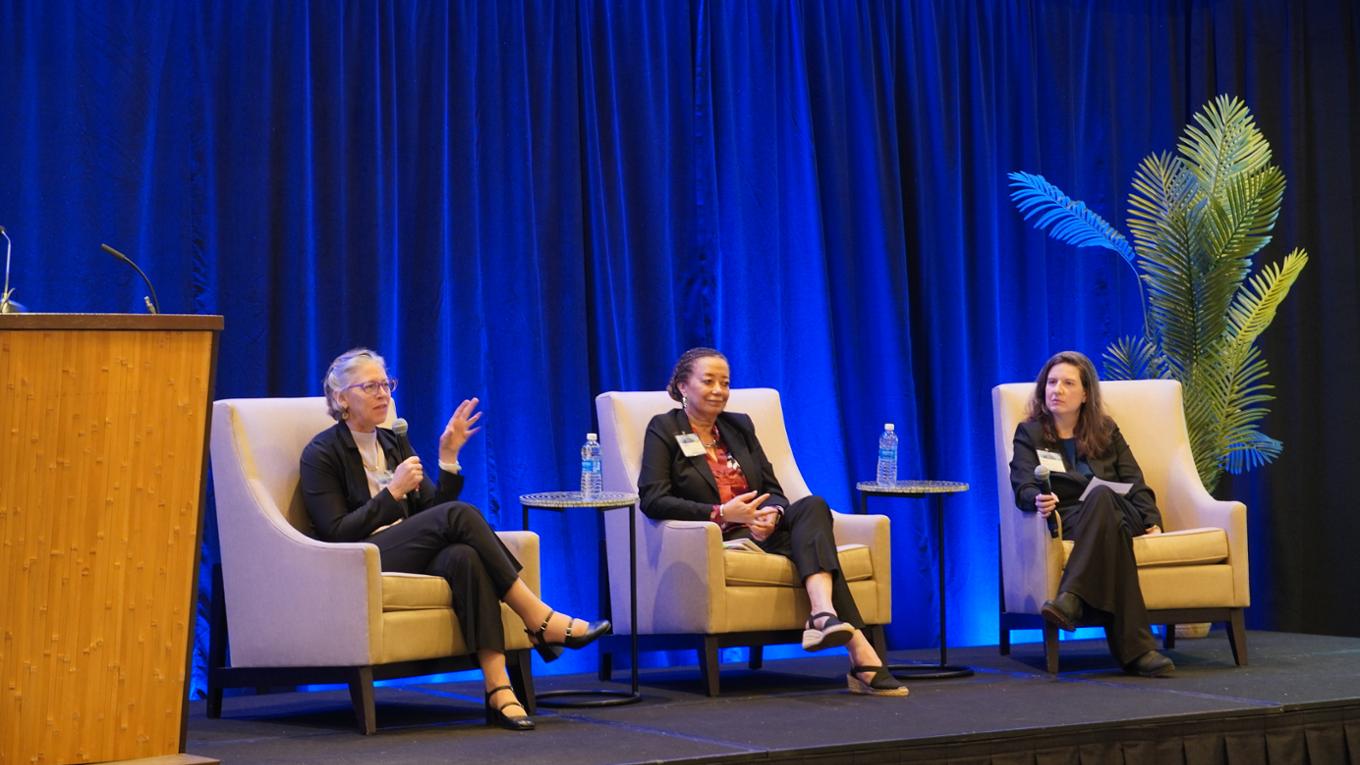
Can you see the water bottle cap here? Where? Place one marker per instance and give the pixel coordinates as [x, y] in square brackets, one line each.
[592, 437]
[887, 426]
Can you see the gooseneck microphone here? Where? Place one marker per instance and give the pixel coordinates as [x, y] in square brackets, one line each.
[1045, 478]
[152, 304]
[5, 305]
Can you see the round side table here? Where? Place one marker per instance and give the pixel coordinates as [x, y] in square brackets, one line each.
[607, 500]
[935, 491]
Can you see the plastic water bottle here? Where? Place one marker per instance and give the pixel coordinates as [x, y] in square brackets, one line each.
[592, 467]
[887, 456]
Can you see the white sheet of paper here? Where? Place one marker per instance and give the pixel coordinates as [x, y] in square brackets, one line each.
[1118, 488]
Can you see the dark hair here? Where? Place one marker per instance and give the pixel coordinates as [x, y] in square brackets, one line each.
[685, 366]
[1094, 429]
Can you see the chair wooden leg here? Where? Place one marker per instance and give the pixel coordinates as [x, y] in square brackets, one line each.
[1237, 636]
[217, 644]
[521, 668]
[1003, 640]
[606, 665]
[757, 656]
[708, 664]
[1169, 637]
[361, 695]
[1051, 648]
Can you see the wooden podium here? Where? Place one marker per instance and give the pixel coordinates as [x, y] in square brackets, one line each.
[103, 452]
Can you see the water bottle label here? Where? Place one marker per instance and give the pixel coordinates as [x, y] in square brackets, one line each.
[887, 454]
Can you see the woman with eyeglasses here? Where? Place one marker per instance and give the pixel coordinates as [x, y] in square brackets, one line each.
[362, 482]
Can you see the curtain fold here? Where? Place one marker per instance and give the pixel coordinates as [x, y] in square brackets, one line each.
[534, 201]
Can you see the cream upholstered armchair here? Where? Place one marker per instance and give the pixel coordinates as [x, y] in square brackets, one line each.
[297, 610]
[694, 593]
[1195, 572]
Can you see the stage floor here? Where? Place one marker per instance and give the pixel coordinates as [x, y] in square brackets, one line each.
[799, 709]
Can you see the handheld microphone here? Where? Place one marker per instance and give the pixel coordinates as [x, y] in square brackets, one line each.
[1045, 478]
[6, 306]
[152, 304]
[400, 426]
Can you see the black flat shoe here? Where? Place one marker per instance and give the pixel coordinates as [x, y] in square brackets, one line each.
[1063, 611]
[551, 651]
[881, 684]
[497, 715]
[1150, 664]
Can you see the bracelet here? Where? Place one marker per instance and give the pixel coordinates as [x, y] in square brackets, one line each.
[718, 510]
[450, 467]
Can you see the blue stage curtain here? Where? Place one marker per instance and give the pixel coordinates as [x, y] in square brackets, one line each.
[536, 201]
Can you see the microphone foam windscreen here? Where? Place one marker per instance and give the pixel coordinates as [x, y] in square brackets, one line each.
[399, 426]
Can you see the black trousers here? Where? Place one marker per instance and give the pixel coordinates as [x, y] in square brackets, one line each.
[1102, 572]
[806, 537]
[453, 540]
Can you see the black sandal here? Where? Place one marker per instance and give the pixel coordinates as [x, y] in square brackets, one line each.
[497, 716]
[832, 634]
[881, 684]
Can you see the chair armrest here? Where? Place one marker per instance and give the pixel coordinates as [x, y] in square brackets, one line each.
[293, 600]
[679, 573]
[1195, 507]
[524, 545]
[872, 531]
[1031, 561]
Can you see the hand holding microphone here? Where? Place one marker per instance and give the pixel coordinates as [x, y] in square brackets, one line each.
[407, 477]
[1046, 502]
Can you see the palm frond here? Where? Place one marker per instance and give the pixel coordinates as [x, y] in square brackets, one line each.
[1065, 219]
[1223, 142]
[1258, 299]
[1134, 357]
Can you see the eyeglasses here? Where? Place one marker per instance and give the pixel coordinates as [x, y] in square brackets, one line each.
[372, 387]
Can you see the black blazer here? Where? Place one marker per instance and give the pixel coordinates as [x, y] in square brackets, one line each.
[679, 488]
[1118, 466]
[335, 487]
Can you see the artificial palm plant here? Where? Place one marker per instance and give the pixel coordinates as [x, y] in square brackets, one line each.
[1198, 218]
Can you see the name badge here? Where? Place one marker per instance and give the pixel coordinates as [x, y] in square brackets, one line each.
[690, 445]
[1051, 460]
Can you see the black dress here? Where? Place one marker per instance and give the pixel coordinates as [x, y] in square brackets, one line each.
[437, 535]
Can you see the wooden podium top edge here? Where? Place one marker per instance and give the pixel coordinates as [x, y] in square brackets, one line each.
[111, 321]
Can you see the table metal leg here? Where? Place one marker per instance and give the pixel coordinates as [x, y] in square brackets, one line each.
[943, 670]
[607, 696]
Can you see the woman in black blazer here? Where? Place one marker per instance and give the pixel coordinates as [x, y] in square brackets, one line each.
[363, 483]
[1069, 432]
[700, 463]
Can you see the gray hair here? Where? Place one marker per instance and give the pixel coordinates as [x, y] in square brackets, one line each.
[338, 376]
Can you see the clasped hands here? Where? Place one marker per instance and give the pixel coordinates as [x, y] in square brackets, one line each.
[748, 509]
[409, 474]
[1047, 503]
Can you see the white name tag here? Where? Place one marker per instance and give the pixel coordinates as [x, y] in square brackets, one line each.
[690, 445]
[1051, 460]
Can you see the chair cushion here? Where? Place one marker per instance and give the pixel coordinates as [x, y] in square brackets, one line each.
[757, 569]
[413, 592]
[1188, 547]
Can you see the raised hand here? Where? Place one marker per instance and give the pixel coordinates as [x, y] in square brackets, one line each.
[458, 430]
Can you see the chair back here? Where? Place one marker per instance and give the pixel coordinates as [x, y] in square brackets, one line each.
[623, 426]
[265, 438]
[1149, 413]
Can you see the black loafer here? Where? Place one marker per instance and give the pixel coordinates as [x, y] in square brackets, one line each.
[1063, 611]
[1150, 664]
